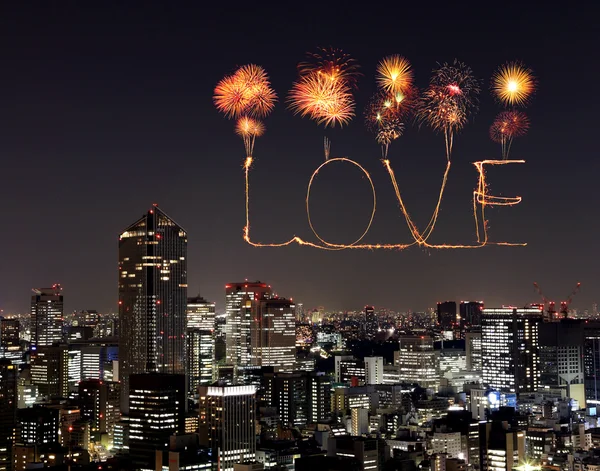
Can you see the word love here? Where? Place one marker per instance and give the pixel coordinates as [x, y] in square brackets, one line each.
[481, 200]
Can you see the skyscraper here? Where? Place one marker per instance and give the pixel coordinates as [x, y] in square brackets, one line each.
[446, 313]
[417, 361]
[273, 334]
[240, 301]
[371, 324]
[8, 411]
[227, 414]
[50, 370]
[470, 313]
[200, 314]
[510, 349]
[200, 351]
[152, 298]
[46, 316]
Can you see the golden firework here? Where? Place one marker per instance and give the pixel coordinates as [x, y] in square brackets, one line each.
[513, 84]
[249, 129]
[394, 74]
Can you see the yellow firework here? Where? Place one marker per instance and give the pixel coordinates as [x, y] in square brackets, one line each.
[513, 84]
[394, 74]
[249, 129]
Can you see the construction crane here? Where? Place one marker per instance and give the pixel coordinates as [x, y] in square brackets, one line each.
[551, 305]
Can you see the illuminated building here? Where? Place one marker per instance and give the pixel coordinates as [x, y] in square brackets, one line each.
[157, 411]
[371, 324]
[304, 335]
[417, 361]
[273, 334]
[300, 312]
[451, 361]
[365, 450]
[373, 370]
[200, 351]
[46, 316]
[100, 405]
[449, 443]
[288, 393]
[37, 426]
[10, 344]
[8, 411]
[152, 298]
[50, 370]
[349, 370]
[345, 399]
[319, 397]
[200, 314]
[240, 301]
[359, 421]
[87, 318]
[470, 313]
[446, 314]
[473, 350]
[229, 414]
[510, 349]
[501, 448]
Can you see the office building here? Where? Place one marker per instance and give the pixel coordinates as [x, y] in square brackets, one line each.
[371, 325]
[200, 351]
[417, 361]
[473, 350]
[470, 314]
[9, 333]
[152, 298]
[502, 448]
[446, 315]
[273, 334]
[319, 397]
[510, 349]
[240, 302]
[359, 419]
[349, 370]
[373, 370]
[37, 426]
[288, 394]
[99, 402]
[365, 450]
[8, 411]
[157, 411]
[46, 316]
[228, 414]
[50, 370]
[200, 314]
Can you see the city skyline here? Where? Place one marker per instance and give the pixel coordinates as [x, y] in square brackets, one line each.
[133, 124]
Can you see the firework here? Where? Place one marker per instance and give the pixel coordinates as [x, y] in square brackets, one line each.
[394, 74]
[328, 102]
[333, 64]
[459, 83]
[247, 92]
[249, 129]
[507, 126]
[513, 84]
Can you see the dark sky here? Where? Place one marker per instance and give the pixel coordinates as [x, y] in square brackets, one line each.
[108, 109]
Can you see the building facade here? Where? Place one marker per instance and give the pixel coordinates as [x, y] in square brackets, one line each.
[46, 316]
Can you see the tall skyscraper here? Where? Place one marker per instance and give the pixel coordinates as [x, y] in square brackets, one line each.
[473, 350]
[8, 411]
[50, 370]
[200, 314]
[99, 401]
[240, 301]
[446, 313]
[510, 349]
[273, 334]
[373, 370]
[470, 313]
[371, 324]
[46, 316]
[227, 414]
[417, 361]
[200, 351]
[152, 298]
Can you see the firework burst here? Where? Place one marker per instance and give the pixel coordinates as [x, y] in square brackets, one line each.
[394, 74]
[332, 63]
[247, 92]
[507, 126]
[459, 83]
[327, 101]
[249, 129]
[513, 84]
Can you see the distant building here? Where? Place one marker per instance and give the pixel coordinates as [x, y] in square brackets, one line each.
[446, 315]
[371, 324]
[373, 370]
[473, 350]
[8, 412]
[46, 316]
[50, 370]
[470, 313]
[200, 354]
[200, 314]
[365, 450]
[417, 361]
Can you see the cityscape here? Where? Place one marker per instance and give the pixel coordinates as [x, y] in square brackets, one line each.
[305, 237]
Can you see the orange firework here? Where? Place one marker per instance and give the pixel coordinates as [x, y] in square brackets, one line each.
[513, 84]
[394, 74]
[507, 126]
[246, 92]
[332, 63]
[326, 101]
[249, 129]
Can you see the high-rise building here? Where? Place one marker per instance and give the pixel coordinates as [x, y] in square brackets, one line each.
[417, 361]
[510, 349]
[240, 302]
[319, 397]
[373, 370]
[446, 314]
[200, 314]
[273, 334]
[46, 316]
[227, 414]
[287, 392]
[473, 350]
[365, 450]
[9, 333]
[99, 402]
[50, 370]
[157, 411]
[470, 313]
[349, 370]
[37, 426]
[371, 324]
[152, 298]
[200, 351]
[359, 421]
[8, 412]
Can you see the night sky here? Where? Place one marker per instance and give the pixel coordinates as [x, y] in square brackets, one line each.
[106, 110]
